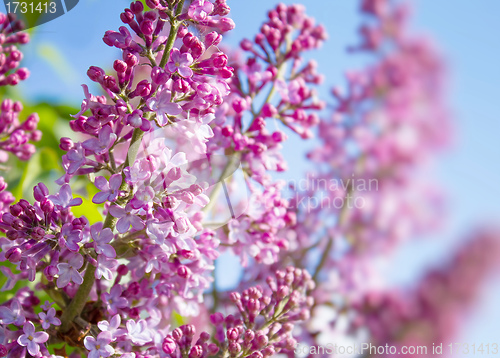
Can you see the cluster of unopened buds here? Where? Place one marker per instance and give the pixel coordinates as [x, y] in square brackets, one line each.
[16, 136]
[262, 327]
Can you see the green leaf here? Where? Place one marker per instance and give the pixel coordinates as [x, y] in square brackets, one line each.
[88, 208]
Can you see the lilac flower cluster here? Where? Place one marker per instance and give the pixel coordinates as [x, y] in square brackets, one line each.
[174, 103]
[262, 327]
[430, 312]
[10, 56]
[273, 68]
[15, 135]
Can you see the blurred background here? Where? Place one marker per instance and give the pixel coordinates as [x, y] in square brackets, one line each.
[466, 32]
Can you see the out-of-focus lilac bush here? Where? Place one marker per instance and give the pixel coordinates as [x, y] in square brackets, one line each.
[178, 114]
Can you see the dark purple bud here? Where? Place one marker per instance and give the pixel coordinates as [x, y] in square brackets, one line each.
[212, 39]
[269, 351]
[137, 7]
[235, 297]
[147, 27]
[216, 318]
[212, 349]
[130, 59]
[127, 16]
[122, 270]
[66, 144]
[220, 60]
[227, 131]
[38, 233]
[13, 234]
[246, 45]
[17, 224]
[181, 85]
[31, 122]
[109, 82]
[47, 206]
[15, 210]
[234, 348]
[177, 334]
[232, 334]
[50, 271]
[204, 337]
[3, 350]
[188, 330]
[23, 73]
[196, 352]
[17, 107]
[249, 335]
[183, 30]
[134, 313]
[14, 254]
[183, 271]
[120, 66]
[143, 88]
[153, 4]
[36, 136]
[261, 340]
[159, 76]
[7, 105]
[169, 345]
[95, 74]
[253, 305]
[187, 254]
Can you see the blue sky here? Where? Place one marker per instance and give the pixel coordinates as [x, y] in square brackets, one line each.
[466, 31]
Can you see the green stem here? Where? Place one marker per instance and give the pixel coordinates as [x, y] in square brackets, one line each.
[172, 35]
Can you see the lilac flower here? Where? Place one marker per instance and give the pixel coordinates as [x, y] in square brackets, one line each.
[104, 267]
[72, 237]
[113, 327]
[12, 315]
[99, 347]
[75, 159]
[32, 339]
[162, 106]
[143, 197]
[113, 299]
[109, 190]
[180, 63]
[64, 199]
[102, 238]
[69, 271]
[121, 39]
[200, 9]
[158, 231]
[138, 332]
[49, 318]
[46, 306]
[126, 219]
[102, 143]
[140, 171]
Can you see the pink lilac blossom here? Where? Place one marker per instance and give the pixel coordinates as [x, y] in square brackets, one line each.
[174, 102]
[31, 339]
